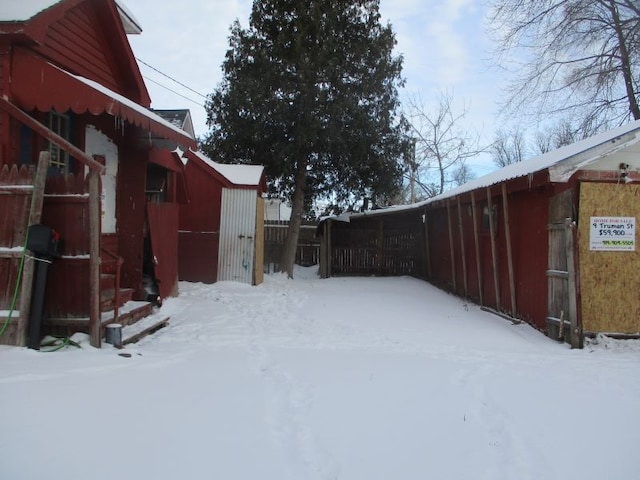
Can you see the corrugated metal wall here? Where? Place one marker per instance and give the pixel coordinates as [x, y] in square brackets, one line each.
[237, 236]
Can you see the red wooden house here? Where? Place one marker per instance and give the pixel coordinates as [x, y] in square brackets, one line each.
[70, 87]
[221, 229]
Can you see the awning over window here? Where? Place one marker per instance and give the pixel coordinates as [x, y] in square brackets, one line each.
[39, 85]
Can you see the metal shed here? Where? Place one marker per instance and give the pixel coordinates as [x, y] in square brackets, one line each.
[221, 228]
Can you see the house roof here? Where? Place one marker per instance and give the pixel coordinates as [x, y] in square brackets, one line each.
[178, 118]
[250, 175]
[21, 11]
[101, 34]
[80, 95]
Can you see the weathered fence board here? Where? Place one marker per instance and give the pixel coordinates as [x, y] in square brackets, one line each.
[275, 234]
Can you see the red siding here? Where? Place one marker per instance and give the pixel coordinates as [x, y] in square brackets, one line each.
[200, 225]
[198, 256]
[528, 214]
[202, 214]
[88, 40]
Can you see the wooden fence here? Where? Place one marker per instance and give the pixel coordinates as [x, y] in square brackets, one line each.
[275, 235]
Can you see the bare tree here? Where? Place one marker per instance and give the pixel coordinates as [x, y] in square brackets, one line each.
[581, 57]
[561, 134]
[442, 145]
[462, 174]
[508, 147]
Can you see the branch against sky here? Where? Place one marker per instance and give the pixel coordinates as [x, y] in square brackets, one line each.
[442, 144]
[573, 58]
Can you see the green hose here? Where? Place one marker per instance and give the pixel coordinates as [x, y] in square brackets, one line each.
[17, 288]
[58, 343]
[24, 253]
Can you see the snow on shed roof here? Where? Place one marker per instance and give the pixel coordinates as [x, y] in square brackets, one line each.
[561, 163]
[236, 174]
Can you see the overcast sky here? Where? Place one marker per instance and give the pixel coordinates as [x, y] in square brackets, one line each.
[444, 44]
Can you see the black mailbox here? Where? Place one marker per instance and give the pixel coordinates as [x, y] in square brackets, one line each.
[43, 240]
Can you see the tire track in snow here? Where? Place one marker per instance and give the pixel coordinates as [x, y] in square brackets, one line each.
[289, 400]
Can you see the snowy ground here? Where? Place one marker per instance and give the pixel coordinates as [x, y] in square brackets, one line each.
[346, 378]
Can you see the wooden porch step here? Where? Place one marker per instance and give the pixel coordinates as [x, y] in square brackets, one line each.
[147, 326]
[128, 314]
[107, 281]
[107, 298]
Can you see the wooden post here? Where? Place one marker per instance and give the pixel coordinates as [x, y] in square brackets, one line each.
[575, 337]
[507, 239]
[426, 240]
[462, 249]
[35, 213]
[453, 258]
[329, 248]
[95, 323]
[477, 245]
[494, 255]
[258, 264]
[380, 249]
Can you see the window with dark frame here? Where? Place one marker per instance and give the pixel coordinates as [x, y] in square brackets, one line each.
[60, 124]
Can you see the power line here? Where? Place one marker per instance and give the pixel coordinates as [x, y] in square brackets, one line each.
[173, 91]
[171, 78]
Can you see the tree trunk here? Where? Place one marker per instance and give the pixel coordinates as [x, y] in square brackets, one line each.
[288, 257]
[626, 62]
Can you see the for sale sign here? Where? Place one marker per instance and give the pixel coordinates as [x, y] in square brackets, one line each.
[613, 234]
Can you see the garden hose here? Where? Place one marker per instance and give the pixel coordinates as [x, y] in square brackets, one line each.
[16, 290]
[20, 268]
[58, 343]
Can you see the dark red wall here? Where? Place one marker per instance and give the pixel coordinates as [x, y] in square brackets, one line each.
[200, 225]
[528, 218]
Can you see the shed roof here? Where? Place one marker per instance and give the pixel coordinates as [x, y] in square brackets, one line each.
[236, 174]
[561, 165]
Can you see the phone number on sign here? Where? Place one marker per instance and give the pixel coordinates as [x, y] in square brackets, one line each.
[621, 243]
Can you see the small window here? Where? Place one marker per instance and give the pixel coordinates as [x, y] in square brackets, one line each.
[485, 218]
[60, 124]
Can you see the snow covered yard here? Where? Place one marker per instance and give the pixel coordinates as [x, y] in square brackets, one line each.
[345, 378]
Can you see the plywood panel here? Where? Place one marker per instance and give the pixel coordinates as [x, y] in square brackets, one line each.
[610, 281]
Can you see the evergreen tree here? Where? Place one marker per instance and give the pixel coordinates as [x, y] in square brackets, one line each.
[310, 92]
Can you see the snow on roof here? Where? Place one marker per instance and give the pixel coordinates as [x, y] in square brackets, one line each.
[130, 23]
[23, 10]
[125, 101]
[562, 164]
[236, 174]
[19, 11]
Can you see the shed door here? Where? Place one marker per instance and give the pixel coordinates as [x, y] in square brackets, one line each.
[562, 322]
[237, 236]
